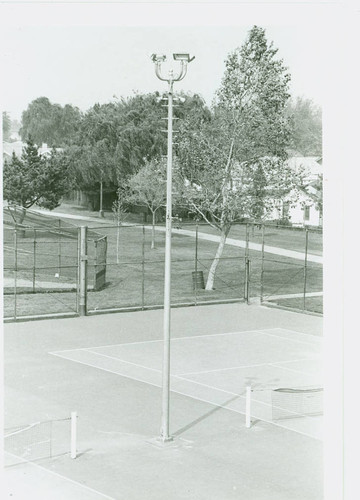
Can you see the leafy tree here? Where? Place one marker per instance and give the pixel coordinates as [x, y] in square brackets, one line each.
[130, 132]
[99, 123]
[50, 123]
[148, 187]
[6, 126]
[306, 127]
[140, 136]
[33, 179]
[233, 166]
[93, 167]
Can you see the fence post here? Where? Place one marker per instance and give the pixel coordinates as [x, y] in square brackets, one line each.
[34, 261]
[305, 265]
[117, 241]
[196, 258]
[247, 279]
[15, 271]
[59, 247]
[262, 264]
[247, 241]
[82, 266]
[143, 270]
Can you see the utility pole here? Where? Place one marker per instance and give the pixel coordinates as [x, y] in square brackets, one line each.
[165, 414]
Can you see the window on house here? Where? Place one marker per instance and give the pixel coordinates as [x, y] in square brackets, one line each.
[306, 213]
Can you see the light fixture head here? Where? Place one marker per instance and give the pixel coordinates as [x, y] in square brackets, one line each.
[183, 57]
[158, 58]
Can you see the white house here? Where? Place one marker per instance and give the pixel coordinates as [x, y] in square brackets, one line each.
[306, 211]
[17, 146]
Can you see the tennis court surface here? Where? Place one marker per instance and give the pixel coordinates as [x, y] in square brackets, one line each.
[108, 369]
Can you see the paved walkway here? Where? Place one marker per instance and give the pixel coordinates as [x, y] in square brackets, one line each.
[209, 237]
[24, 283]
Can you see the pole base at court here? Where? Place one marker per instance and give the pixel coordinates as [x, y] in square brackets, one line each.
[163, 443]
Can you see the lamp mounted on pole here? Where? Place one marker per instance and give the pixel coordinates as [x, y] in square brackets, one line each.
[158, 60]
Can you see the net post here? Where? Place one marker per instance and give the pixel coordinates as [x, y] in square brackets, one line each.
[248, 407]
[73, 434]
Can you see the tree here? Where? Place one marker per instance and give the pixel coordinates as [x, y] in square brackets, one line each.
[140, 138]
[33, 179]
[306, 127]
[6, 126]
[233, 166]
[148, 187]
[50, 123]
[132, 132]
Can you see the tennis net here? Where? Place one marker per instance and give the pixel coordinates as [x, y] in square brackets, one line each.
[294, 403]
[39, 440]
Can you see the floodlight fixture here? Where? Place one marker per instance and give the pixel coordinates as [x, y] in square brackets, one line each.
[183, 57]
[158, 58]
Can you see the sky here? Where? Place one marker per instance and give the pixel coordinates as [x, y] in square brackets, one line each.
[82, 65]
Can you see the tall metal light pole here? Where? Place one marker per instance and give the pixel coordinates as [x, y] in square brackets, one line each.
[184, 60]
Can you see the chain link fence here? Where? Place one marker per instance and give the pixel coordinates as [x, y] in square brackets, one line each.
[124, 268]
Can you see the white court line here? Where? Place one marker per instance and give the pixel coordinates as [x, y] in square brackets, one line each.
[222, 369]
[123, 361]
[247, 366]
[158, 340]
[259, 331]
[33, 464]
[106, 345]
[287, 339]
[107, 370]
[289, 369]
[191, 397]
[206, 385]
[315, 337]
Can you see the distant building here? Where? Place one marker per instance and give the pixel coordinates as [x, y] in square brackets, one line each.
[12, 147]
[307, 210]
[17, 147]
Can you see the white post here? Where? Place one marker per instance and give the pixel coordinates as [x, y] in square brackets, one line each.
[164, 431]
[73, 434]
[248, 407]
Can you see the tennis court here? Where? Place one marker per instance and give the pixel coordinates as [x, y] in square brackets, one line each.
[108, 369]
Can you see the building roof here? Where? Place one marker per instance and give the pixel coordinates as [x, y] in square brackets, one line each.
[311, 164]
[12, 147]
[16, 147]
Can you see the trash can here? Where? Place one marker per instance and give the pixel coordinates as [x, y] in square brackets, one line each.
[198, 280]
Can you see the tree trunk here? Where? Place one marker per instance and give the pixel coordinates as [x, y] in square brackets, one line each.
[117, 241]
[153, 231]
[219, 251]
[19, 219]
